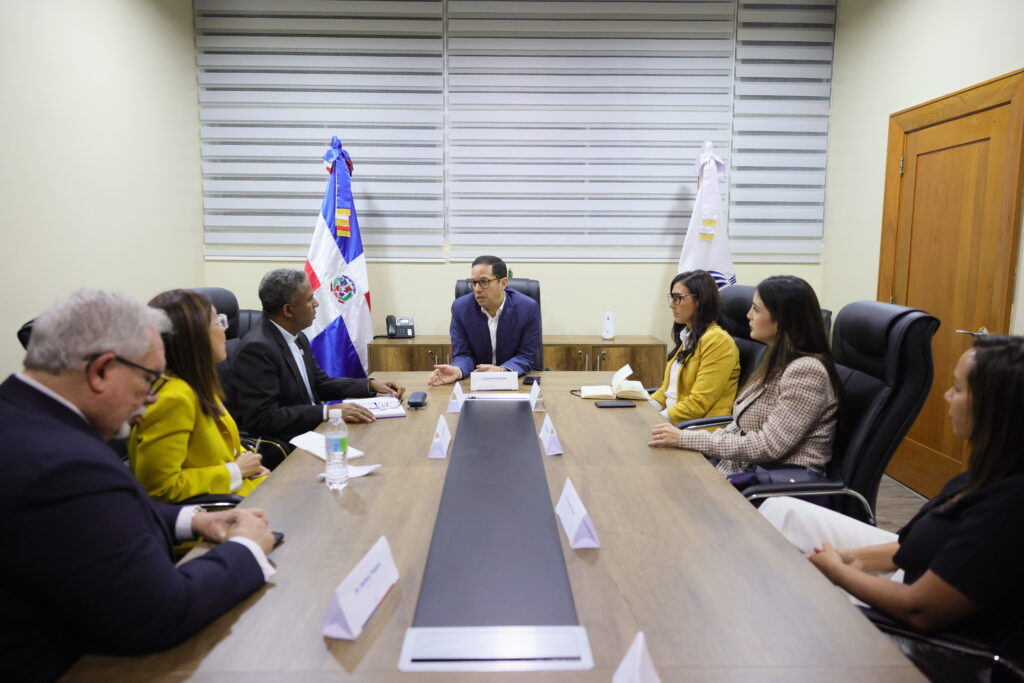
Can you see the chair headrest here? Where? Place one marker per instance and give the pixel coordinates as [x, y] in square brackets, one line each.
[225, 302]
[735, 302]
[867, 331]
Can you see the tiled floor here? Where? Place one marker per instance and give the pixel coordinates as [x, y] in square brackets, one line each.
[896, 504]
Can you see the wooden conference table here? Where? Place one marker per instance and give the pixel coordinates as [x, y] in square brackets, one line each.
[719, 594]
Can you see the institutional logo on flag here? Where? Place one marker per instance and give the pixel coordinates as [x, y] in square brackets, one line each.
[336, 268]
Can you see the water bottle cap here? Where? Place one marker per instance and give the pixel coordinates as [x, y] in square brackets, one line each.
[334, 413]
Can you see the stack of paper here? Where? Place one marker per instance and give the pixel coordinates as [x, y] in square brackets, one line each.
[380, 406]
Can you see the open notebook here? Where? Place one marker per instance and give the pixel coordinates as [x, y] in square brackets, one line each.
[619, 388]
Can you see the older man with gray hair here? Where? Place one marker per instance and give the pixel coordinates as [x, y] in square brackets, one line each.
[94, 569]
[278, 384]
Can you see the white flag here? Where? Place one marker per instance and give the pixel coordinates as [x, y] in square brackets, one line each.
[706, 246]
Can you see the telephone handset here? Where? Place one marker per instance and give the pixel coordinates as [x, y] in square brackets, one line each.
[399, 326]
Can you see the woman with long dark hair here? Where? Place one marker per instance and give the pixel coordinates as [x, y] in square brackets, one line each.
[958, 563]
[704, 367]
[785, 415]
[187, 444]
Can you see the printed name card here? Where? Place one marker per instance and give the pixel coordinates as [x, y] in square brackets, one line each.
[442, 437]
[458, 396]
[637, 666]
[358, 596]
[575, 519]
[536, 402]
[549, 439]
[493, 381]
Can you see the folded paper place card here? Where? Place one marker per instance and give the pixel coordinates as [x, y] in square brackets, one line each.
[549, 439]
[458, 396]
[575, 519]
[314, 443]
[358, 596]
[536, 402]
[442, 437]
[493, 381]
[637, 666]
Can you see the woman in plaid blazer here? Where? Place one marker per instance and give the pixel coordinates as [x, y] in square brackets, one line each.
[785, 415]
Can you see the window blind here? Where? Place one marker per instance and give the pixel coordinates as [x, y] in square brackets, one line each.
[538, 130]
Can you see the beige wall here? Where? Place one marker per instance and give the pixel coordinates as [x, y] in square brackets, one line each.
[573, 296]
[100, 182]
[890, 55]
[101, 114]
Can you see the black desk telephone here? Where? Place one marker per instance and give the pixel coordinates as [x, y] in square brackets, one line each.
[399, 326]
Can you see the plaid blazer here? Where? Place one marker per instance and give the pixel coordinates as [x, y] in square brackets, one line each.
[789, 421]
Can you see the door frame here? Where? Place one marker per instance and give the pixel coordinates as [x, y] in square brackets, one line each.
[1000, 91]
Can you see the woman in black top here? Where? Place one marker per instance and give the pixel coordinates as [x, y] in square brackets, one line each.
[961, 556]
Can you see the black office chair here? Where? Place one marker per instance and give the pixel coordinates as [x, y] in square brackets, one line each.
[1005, 660]
[530, 288]
[883, 355]
[735, 302]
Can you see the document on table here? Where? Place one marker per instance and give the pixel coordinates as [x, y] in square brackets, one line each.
[380, 406]
[314, 443]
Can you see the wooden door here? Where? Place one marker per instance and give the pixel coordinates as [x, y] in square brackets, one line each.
[949, 244]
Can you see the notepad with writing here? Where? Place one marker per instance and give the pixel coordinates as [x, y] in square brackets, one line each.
[619, 388]
[380, 406]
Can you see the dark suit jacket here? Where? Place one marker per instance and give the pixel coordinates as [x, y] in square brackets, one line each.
[90, 566]
[270, 398]
[518, 333]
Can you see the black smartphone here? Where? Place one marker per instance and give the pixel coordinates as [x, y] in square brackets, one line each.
[614, 404]
[531, 379]
[417, 399]
[278, 537]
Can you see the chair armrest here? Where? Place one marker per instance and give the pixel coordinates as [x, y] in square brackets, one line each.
[795, 489]
[217, 500]
[702, 422]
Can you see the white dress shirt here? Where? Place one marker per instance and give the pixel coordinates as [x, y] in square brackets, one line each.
[492, 327]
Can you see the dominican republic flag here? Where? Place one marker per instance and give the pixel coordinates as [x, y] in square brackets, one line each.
[336, 268]
[706, 246]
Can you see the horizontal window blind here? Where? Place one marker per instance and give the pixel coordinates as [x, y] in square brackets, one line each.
[537, 130]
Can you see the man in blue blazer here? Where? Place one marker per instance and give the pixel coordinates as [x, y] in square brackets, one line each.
[91, 567]
[493, 327]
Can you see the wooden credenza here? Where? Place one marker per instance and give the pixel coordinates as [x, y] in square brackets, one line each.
[645, 354]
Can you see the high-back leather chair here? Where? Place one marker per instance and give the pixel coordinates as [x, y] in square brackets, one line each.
[735, 302]
[883, 356]
[530, 288]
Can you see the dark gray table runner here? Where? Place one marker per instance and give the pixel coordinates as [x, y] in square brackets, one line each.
[495, 557]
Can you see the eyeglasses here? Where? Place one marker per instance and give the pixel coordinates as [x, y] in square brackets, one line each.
[159, 379]
[220, 321]
[679, 298]
[483, 282]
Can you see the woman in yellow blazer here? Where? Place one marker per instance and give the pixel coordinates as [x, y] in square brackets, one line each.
[187, 444]
[704, 368]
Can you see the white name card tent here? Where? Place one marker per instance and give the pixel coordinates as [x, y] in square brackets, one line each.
[458, 396]
[493, 381]
[637, 666]
[442, 438]
[576, 522]
[536, 402]
[357, 597]
[549, 439]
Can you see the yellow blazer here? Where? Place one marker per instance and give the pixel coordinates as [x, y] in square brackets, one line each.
[707, 382]
[177, 451]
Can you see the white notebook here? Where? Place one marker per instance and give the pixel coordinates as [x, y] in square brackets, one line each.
[619, 388]
[380, 406]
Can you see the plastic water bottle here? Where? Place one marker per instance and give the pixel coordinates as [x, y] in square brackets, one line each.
[336, 451]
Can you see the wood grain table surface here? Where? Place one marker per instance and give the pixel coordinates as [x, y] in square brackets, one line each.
[719, 594]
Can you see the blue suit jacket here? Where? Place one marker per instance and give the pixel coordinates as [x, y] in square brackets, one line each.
[518, 333]
[91, 567]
